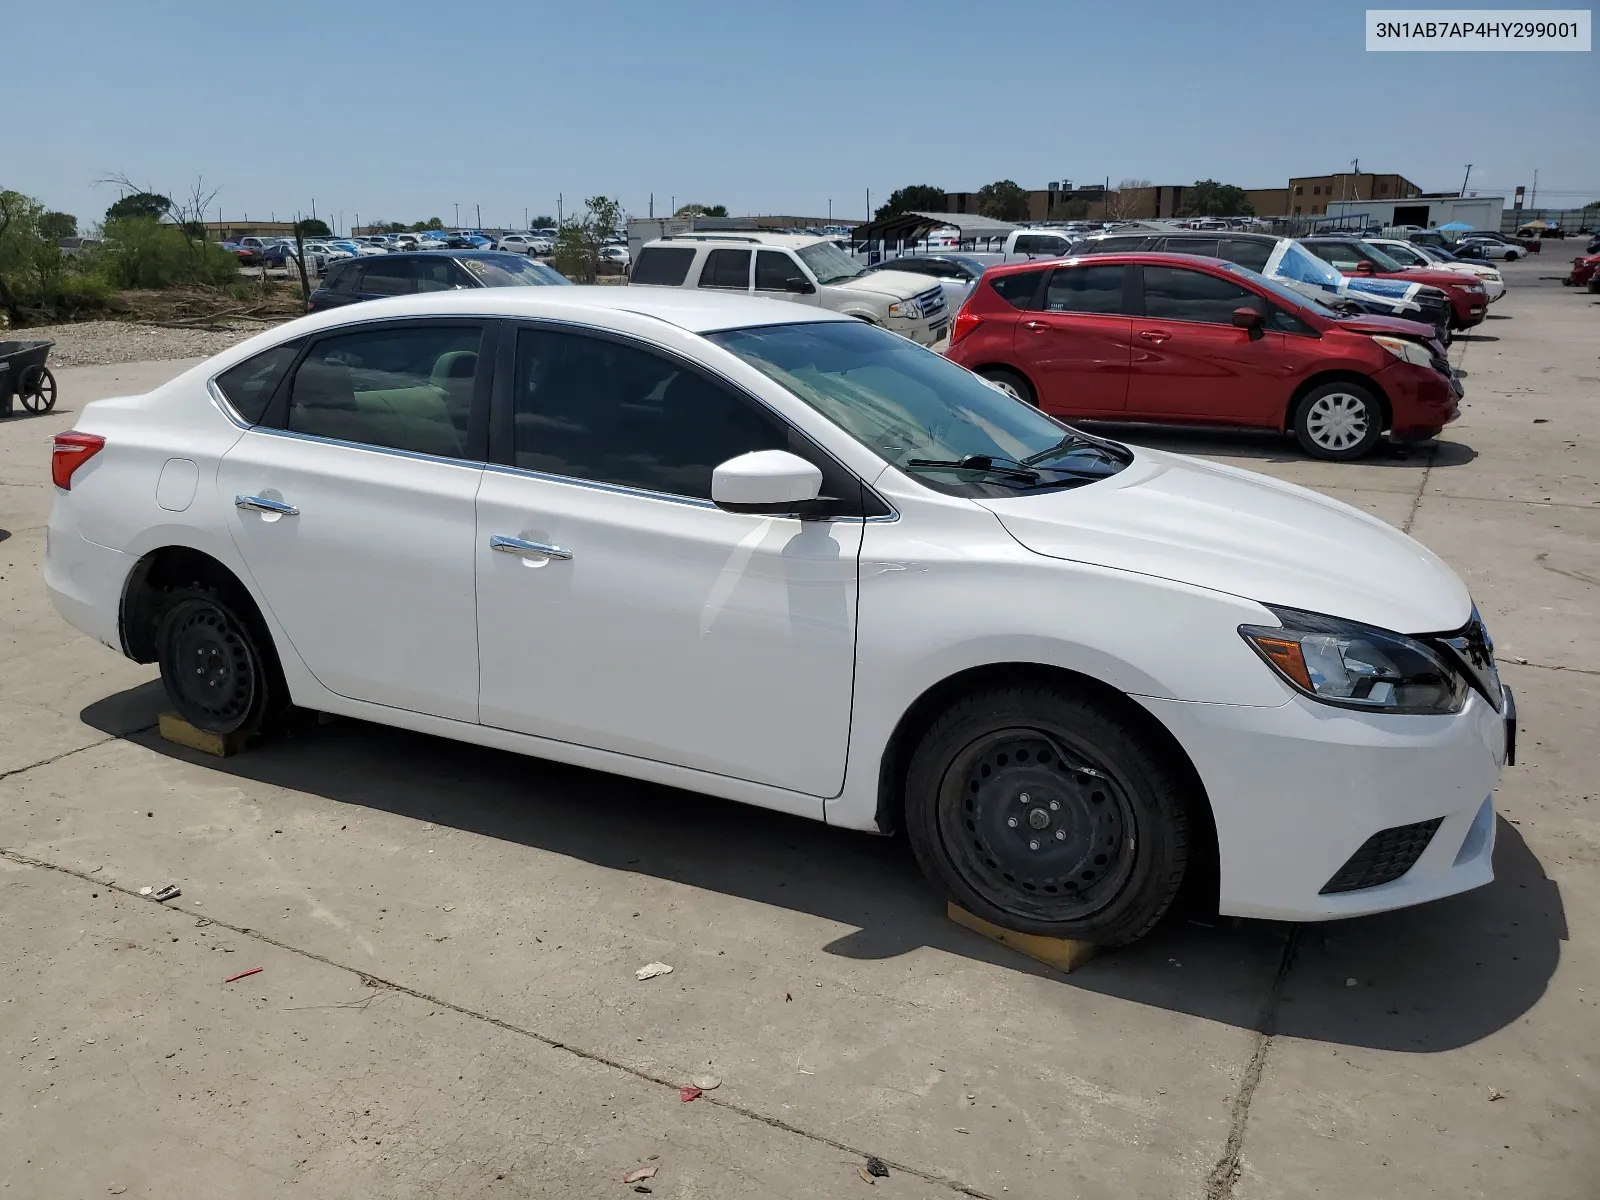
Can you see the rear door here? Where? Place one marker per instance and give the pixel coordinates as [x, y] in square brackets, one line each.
[726, 269]
[1075, 344]
[352, 505]
[1191, 363]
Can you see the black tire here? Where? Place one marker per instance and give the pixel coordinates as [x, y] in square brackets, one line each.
[37, 390]
[1338, 421]
[1042, 811]
[1011, 382]
[218, 667]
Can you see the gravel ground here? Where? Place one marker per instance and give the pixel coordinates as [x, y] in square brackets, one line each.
[90, 343]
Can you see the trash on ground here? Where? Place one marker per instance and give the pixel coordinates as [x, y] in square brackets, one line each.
[170, 892]
[1496, 1094]
[651, 970]
[243, 975]
[640, 1173]
[1351, 982]
[145, 891]
[639, 1187]
[706, 1083]
[876, 1167]
[862, 1171]
[687, 1094]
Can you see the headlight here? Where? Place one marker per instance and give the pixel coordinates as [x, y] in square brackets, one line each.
[1475, 287]
[909, 309]
[1357, 666]
[1410, 351]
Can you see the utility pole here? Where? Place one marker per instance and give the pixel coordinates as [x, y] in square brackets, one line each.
[1533, 200]
[558, 210]
[458, 215]
[652, 205]
[1464, 179]
[830, 212]
[479, 207]
[313, 209]
[869, 204]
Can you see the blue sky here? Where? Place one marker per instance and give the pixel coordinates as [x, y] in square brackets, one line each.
[403, 109]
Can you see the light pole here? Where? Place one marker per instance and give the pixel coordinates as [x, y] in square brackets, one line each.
[830, 212]
[458, 216]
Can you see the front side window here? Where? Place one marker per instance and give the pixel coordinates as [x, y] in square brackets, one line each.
[250, 385]
[665, 265]
[774, 269]
[1174, 294]
[401, 387]
[726, 269]
[1247, 252]
[921, 412]
[439, 275]
[1340, 254]
[508, 270]
[1088, 289]
[389, 278]
[341, 278]
[590, 408]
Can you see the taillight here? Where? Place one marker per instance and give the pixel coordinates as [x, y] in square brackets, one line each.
[966, 322]
[69, 452]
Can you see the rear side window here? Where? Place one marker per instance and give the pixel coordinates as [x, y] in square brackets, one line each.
[1017, 290]
[400, 387]
[667, 265]
[391, 278]
[250, 385]
[1174, 294]
[1085, 289]
[1247, 252]
[1040, 243]
[341, 278]
[726, 269]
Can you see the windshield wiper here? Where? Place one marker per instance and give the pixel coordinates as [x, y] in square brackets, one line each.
[1075, 442]
[989, 464]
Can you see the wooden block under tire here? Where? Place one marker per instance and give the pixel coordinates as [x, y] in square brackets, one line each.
[1063, 954]
[175, 729]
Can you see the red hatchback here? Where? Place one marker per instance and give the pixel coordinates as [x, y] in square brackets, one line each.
[1175, 339]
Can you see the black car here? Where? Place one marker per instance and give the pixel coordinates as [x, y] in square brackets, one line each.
[352, 280]
[954, 268]
[1253, 251]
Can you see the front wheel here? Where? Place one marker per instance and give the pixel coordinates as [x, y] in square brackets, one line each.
[1044, 812]
[1338, 421]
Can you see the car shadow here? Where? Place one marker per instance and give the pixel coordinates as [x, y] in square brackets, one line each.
[1497, 317]
[4, 534]
[1267, 446]
[1476, 337]
[1427, 979]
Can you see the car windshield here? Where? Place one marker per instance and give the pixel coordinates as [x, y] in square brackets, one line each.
[1286, 294]
[829, 263]
[511, 270]
[1378, 258]
[921, 412]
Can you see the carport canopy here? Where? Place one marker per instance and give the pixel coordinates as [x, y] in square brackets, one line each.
[914, 226]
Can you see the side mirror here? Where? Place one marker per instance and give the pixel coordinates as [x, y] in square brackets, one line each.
[1364, 268]
[1248, 318]
[773, 482]
[799, 285]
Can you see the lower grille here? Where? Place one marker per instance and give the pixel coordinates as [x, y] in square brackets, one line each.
[1383, 857]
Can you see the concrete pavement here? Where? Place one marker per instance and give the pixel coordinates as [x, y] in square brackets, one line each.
[448, 935]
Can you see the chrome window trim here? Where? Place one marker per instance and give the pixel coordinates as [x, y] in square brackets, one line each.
[224, 405]
[292, 435]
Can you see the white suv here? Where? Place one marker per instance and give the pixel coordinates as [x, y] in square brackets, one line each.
[802, 268]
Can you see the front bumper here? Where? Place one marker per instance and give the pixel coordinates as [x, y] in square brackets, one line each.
[1420, 397]
[1298, 789]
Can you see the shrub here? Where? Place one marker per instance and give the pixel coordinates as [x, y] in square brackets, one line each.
[140, 252]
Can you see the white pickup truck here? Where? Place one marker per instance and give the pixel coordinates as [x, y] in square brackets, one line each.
[805, 269]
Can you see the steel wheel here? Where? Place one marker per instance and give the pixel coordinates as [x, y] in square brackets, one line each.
[210, 665]
[37, 390]
[1039, 825]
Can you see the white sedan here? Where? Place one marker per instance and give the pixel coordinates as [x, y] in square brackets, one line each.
[781, 556]
[1426, 258]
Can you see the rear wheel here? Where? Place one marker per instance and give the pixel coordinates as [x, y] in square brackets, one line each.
[1338, 421]
[1044, 812]
[1011, 383]
[219, 675]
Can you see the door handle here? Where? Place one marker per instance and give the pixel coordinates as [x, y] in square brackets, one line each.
[262, 504]
[1036, 326]
[511, 545]
[1155, 335]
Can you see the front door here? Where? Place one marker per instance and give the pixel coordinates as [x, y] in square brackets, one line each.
[619, 608]
[353, 509]
[1077, 350]
[774, 271]
[1191, 363]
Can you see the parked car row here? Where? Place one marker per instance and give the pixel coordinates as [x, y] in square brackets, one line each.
[404, 273]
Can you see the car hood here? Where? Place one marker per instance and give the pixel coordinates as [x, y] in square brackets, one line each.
[898, 285]
[1249, 535]
[1398, 326]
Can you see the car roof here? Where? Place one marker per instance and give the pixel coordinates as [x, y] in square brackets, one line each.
[734, 237]
[688, 309]
[1152, 257]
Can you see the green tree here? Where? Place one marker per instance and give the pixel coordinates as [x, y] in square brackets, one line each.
[1004, 200]
[57, 225]
[701, 210]
[918, 197]
[577, 253]
[139, 204]
[313, 227]
[542, 221]
[1208, 198]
